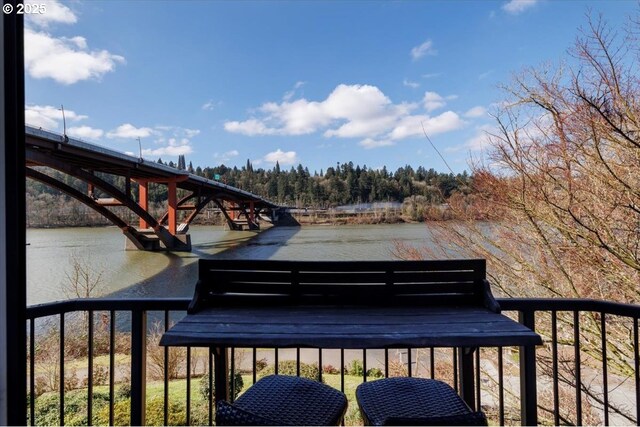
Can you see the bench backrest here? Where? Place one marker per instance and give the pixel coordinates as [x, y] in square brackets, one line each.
[260, 282]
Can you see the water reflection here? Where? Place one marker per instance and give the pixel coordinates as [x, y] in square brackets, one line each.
[167, 274]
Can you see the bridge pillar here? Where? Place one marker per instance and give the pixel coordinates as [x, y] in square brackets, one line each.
[143, 189]
[172, 208]
[252, 213]
[234, 208]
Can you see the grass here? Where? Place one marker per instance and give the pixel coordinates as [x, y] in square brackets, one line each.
[76, 403]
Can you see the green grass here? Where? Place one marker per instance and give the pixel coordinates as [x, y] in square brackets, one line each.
[76, 403]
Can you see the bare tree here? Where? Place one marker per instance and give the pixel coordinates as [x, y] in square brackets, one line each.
[560, 188]
[83, 280]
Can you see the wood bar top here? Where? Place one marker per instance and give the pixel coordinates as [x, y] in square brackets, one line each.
[358, 327]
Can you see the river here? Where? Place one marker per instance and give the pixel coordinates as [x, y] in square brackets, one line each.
[50, 255]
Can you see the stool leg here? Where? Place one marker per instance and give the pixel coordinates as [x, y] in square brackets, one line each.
[467, 382]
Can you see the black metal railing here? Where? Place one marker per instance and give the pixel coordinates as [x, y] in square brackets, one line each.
[587, 370]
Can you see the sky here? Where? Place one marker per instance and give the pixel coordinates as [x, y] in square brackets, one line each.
[295, 82]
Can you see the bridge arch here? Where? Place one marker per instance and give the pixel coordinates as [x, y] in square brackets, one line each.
[82, 160]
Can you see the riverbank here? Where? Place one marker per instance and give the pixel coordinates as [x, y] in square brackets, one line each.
[312, 218]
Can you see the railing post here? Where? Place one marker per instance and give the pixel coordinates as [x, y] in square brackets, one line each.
[528, 389]
[138, 367]
[467, 386]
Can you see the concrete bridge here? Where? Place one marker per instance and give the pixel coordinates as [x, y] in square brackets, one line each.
[81, 160]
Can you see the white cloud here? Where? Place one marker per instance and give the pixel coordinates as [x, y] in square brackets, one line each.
[372, 143]
[226, 156]
[129, 131]
[289, 94]
[475, 112]
[177, 131]
[484, 75]
[169, 140]
[515, 7]
[477, 142]
[211, 105]
[54, 13]
[282, 157]
[350, 111]
[85, 132]
[425, 48]
[174, 148]
[49, 117]
[412, 126]
[65, 60]
[431, 75]
[410, 84]
[432, 101]
[190, 133]
[249, 127]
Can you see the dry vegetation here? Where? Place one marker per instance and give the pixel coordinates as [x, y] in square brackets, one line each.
[560, 188]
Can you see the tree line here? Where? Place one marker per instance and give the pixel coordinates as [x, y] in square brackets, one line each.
[342, 184]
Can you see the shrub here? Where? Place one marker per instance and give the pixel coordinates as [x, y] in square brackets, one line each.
[121, 413]
[204, 385]
[289, 367]
[156, 353]
[375, 373]
[261, 364]
[177, 413]
[330, 369]
[355, 368]
[123, 391]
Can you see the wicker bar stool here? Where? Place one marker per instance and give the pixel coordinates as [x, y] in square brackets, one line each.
[414, 401]
[284, 400]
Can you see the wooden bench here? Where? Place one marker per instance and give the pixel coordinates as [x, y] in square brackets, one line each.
[458, 283]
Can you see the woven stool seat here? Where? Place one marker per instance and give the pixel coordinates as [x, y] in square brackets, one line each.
[284, 400]
[414, 401]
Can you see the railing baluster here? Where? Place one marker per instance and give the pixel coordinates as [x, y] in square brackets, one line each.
[112, 362]
[61, 369]
[32, 372]
[455, 369]
[605, 380]
[90, 369]
[576, 348]
[409, 362]
[342, 370]
[364, 365]
[320, 365]
[188, 398]
[500, 387]
[277, 361]
[386, 363]
[636, 358]
[554, 355]
[211, 392]
[478, 389]
[138, 366]
[233, 375]
[298, 361]
[166, 373]
[528, 386]
[255, 365]
[432, 362]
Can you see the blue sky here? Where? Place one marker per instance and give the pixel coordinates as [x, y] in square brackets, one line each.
[310, 82]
